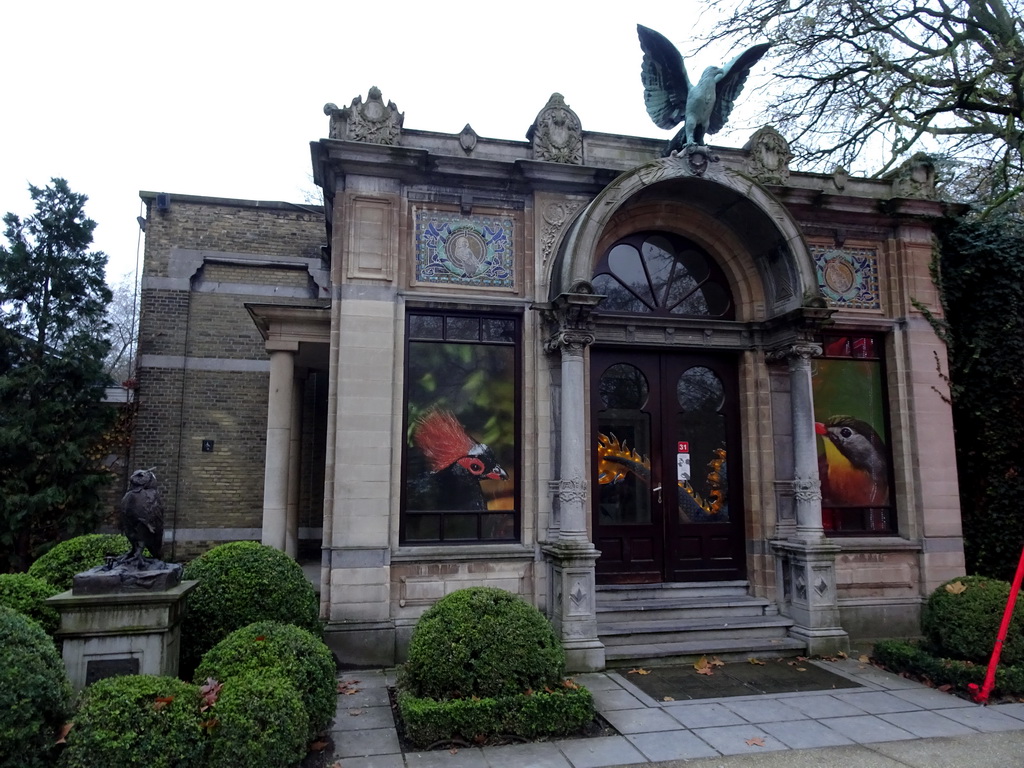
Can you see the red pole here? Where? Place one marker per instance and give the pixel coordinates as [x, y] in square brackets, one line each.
[981, 696]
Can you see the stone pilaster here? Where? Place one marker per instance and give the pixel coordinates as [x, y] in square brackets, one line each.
[572, 555]
[807, 559]
[279, 428]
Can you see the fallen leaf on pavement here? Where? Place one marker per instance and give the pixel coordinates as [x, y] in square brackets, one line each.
[703, 667]
[757, 741]
[639, 671]
[716, 662]
[758, 662]
[668, 698]
[355, 712]
[864, 658]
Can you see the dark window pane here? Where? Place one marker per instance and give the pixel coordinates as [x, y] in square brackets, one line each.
[426, 327]
[617, 297]
[624, 263]
[624, 386]
[499, 330]
[464, 328]
[422, 527]
[717, 299]
[460, 527]
[659, 256]
[498, 527]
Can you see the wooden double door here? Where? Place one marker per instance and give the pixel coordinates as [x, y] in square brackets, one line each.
[667, 485]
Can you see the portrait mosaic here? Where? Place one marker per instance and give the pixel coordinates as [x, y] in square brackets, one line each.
[848, 277]
[452, 249]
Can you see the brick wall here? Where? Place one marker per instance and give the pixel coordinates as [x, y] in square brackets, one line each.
[204, 370]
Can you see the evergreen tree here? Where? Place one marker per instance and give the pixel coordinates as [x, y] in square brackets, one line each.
[53, 340]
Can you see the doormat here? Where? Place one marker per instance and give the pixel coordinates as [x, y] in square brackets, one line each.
[738, 678]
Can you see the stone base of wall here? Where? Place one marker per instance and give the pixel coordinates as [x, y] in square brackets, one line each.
[357, 645]
[880, 618]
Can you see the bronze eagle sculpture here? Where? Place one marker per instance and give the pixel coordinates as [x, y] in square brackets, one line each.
[671, 98]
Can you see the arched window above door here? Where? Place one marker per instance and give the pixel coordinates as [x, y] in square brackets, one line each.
[659, 273]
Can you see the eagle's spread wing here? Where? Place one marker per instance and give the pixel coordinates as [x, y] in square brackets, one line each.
[734, 75]
[664, 77]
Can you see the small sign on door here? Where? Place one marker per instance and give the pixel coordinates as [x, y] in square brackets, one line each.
[683, 447]
[683, 463]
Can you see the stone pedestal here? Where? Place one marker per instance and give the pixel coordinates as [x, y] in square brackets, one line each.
[809, 593]
[573, 613]
[123, 633]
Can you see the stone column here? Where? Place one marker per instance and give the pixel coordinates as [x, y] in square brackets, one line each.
[572, 555]
[807, 559]
[291, 533]
[279, 427]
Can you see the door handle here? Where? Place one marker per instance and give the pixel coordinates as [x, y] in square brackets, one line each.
[658, 491]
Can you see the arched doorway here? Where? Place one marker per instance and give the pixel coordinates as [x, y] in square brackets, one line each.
[665, 423]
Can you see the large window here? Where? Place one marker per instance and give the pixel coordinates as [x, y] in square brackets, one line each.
[461, 458]
[853, 437]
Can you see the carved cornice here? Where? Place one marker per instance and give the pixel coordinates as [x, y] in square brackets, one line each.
[369, 122]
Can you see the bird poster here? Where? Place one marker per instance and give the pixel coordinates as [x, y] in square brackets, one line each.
[853, 457]
[460, 442]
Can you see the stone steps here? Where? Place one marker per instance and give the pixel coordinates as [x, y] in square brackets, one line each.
[676, 623]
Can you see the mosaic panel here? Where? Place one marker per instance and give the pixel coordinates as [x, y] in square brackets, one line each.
[848, 277]
[452, 249]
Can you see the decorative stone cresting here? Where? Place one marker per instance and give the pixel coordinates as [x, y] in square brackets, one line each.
[556, 134]
[369, 122]
[915, 178]
[769, 156]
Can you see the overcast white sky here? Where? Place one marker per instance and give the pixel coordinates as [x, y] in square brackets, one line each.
[222, 98]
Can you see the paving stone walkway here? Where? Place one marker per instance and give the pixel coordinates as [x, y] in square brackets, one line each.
[880, 707]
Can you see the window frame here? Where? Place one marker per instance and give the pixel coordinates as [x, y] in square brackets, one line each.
[836, 520]
[408, 475]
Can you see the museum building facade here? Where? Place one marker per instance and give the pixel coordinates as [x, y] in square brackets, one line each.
[683, 404]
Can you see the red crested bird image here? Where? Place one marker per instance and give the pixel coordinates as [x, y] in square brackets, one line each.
[457, 462]
[857, 473]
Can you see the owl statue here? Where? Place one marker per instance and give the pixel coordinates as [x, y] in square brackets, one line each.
[142, 517]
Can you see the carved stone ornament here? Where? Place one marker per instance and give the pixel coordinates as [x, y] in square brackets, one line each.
[570, 318]
[369, 122]
[915, 178]
[806, 489]
[695, 158]
[573, 489]
[467, 139]
[556, 134]
[769, 156]
[556, 215]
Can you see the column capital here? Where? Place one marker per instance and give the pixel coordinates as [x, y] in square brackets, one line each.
[794, 352]
[569, 316]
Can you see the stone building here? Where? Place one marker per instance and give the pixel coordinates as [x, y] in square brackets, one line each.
[694, 388]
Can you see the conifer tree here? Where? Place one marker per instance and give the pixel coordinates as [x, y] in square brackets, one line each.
[53, 339]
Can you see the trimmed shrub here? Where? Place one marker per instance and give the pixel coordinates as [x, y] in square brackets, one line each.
[137, 721]
[60, 564]
[282, 649]
[34, 692]
[963, 624]
[557, 712]
[240, 583]
[482, 642]
[901, 656]
[260, 721]
[27, 595]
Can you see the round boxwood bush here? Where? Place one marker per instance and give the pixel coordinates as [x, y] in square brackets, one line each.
[961, 620]
[240, 583]
[260, 721]
[34, 692]
[137, 721]
[60, 564]
[482, 642]
[281, 649]
[27, 595]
